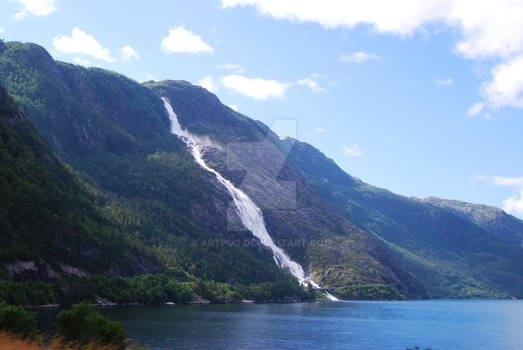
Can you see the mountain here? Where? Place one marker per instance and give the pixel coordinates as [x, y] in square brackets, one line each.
[492, 219]
[115, 133]
[334, 250]
[49, 225]
[450, 254]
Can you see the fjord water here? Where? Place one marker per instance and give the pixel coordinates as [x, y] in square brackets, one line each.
[381, 325]
[250, 215]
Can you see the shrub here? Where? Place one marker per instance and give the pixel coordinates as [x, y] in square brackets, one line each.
[83, 324]
[16, 320]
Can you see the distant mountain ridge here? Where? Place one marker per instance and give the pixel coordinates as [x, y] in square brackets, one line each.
[115, 132]
[451, 255]
[492, 219]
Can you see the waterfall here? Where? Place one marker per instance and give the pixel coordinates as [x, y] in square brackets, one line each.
[250, 215]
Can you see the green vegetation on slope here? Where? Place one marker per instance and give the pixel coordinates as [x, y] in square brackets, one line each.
[156, 289]
[46, 215]
[369, 292]
[492, 219]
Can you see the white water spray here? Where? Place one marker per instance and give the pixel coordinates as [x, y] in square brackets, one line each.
[250, 215]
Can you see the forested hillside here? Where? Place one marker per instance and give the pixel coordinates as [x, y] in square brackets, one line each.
[49, 225]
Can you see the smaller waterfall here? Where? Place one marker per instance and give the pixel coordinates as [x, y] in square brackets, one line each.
[250, 215]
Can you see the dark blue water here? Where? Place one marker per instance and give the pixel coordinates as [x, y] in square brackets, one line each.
[328, 325]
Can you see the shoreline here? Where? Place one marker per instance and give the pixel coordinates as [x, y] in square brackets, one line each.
[250, 302]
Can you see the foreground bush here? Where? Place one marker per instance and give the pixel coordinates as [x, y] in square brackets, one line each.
[83, 324]
[16, 320]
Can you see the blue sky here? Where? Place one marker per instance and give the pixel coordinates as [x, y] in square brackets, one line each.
[422, 100]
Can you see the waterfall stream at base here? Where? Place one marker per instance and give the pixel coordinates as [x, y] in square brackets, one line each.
[250, 215]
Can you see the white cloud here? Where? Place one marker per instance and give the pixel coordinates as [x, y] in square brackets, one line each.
[82, 61]
[263, 89]
[513, 204]
[231, 66]
[80, 42]
[233, 107]
[443, 82]
[353, 151]
[486, 29]
[359, 57]
[150, 76]
[208, 83]
[506, 87]
[34, 7]
[311, 84]
[128, 53]
[320, 130]
[2, 31]
[180, 40]
[475, 109]
[501, 180]
[260, 89]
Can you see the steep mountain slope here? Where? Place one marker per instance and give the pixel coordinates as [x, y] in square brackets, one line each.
[451, 255]
[116, 132]
[492, 219]
[49, 226]
[335, 251]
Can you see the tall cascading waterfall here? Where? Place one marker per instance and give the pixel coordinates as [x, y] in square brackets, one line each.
[250, 215]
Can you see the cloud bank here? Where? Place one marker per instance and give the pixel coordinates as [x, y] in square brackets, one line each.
[487, 30]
